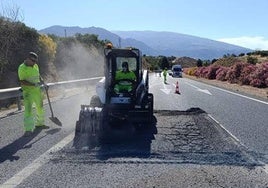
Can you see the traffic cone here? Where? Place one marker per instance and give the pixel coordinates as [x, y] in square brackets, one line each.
[177, 91]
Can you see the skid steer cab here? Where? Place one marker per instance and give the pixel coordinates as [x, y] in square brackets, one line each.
[122, 95]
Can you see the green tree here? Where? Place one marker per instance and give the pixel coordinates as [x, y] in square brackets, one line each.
[213, 61]
[16, 41]
[90, 39]
[199, 63]
[164, 62]
[153, 62]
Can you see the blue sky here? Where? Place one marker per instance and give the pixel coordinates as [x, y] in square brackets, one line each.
[241, 22]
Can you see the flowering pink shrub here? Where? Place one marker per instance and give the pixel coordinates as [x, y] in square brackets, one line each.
[256, 83]
[201, 71]
[234, 72]
[245, 78]
[258, 78]
[266, 82]
[211, 72]
[221, 73]
[241, 73]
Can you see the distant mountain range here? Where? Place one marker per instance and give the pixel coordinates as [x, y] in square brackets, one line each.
[156, 43]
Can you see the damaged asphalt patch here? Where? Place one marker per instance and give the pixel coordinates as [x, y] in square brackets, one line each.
[189, 137]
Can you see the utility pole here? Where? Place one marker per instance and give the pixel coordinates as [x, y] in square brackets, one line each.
[65, 33]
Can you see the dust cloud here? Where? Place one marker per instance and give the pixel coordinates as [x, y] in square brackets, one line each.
[77, 62]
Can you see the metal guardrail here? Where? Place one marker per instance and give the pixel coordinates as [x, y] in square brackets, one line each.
[16, 92]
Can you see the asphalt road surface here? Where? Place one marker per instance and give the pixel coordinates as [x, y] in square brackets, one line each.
[246, 118]
[204, 137]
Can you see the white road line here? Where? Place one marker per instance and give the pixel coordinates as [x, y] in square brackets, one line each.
[199, 89]
[240, 95]
[260, 101]
[234, 137]
[165, 90]
[31, 168]
[264, 165]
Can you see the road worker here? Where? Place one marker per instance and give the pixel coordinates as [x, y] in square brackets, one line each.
[165, 75]
[124, 79]
[30, 81]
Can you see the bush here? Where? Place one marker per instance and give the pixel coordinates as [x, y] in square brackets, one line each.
[190, 71]
[252, 60]
[221, 73]
[244, 78]
[241, 73]
[234, 72]
[256, 83]
[201, 71]
[266, 82]
[258, 78]
[211, 72]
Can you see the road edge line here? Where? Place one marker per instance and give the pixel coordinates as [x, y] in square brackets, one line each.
[234, 137]
[264, 166]
[37, 163]
[233, 93]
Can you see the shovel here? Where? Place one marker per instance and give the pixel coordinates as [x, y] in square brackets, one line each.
[52, 118]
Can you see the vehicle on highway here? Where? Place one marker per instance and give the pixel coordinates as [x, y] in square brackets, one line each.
[110, 106]
[176, 71]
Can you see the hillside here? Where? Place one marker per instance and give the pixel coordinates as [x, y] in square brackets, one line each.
[178, 45]
[156, 43]
[103, 34]
[185, 62]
